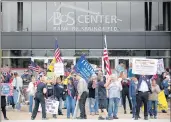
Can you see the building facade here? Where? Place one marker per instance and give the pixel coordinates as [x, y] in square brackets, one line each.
[133, 29]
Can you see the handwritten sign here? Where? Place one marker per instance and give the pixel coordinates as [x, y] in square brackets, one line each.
[6, 89]
[84, 68]
[144, 66]
[59, 69]
[51, 106]
[160, 66]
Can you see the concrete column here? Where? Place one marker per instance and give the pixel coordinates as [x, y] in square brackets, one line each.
[168, 59]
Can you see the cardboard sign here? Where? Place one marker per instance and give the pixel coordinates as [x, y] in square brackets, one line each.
[144, 66]
[51, 106]
[160, 66]
[59, 69]
[84, 68]
[6, 89]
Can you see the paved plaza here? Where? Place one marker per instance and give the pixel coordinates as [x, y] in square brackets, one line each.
[24, 115]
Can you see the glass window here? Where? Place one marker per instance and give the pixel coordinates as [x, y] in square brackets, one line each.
[16, 62]
[109, 8]
[9, 16]
[53, 9]
[93, 20]
[39, 53]
[80, 14]
[155, 16]
[137, 16]
[123, 12]
[68, 16]
[160, 16]
[26, 16]
[6, 53]
[38, 16]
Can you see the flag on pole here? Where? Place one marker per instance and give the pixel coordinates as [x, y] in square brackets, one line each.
[106, 58]
[33, 66]
[57, 53]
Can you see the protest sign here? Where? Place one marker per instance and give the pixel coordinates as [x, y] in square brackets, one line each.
[59, 69]
[6, 89]
[160, 66]
[84, 68]
[50, 75]
[51, 106]
[144, 66]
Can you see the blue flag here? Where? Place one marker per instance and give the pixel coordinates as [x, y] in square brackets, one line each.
[84, 68]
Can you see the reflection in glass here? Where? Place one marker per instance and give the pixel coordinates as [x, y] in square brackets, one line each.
[39, 62]
[52, 11]
[27, 16]
[39, 53]
[155, 15]
[137, 16]
[16, 53]
[16, 62]
[68, 18]
[123, 12]
[9, 16]
[109, 8]
[38, 16]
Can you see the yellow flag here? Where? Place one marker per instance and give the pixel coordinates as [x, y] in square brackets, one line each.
[51, 66]
[65, 82]
[162, 102]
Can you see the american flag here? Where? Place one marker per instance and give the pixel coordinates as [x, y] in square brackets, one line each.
[57, 53]
[34, 67]
[106, 58]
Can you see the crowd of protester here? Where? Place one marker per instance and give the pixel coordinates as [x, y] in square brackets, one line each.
[103, 93]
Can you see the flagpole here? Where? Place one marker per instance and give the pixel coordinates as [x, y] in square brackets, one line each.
[105, 41]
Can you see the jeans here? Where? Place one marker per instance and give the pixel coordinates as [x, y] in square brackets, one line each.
[113, 107]
[70, 103]
[96, 107]
[152, 108]
[134, 104]
[30, 103]
[16, 102]
[92, 105]
[65, 104]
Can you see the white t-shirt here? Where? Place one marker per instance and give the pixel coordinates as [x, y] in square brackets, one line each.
[17, 82]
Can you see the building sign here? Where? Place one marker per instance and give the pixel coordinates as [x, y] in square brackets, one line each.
[91, 18]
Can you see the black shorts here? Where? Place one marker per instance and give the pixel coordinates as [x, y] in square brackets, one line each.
[102, 103]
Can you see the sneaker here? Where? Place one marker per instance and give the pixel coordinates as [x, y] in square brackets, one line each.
[6, 118]
[136, 118]
[124, 112]
[146, 118]
[32, 118]
[101, 118]
[115, 117]
[30, 113]
[155, 117]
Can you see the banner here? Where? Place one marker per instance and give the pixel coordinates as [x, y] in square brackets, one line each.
[51, 106]
[160, 66]
[84, 68]
[51, 66]
[50, 75]
[6, 89]
[144, 66]
[162, 102]
[59, 69]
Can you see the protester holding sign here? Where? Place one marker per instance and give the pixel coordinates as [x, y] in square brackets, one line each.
[143, 89]
[82, 88]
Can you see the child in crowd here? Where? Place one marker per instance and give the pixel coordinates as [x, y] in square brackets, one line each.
[153, 99]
